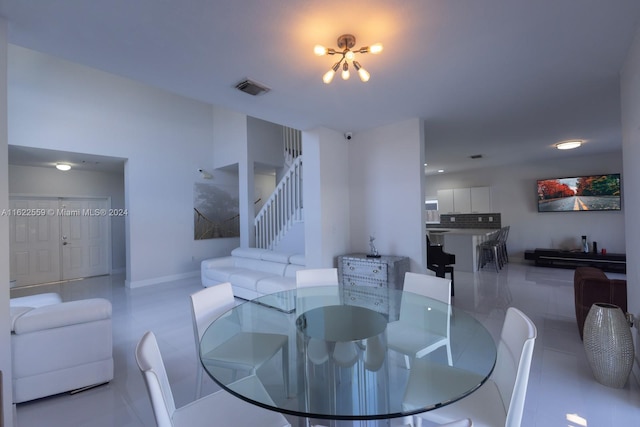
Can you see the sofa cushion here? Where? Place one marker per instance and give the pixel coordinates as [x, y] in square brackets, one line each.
[260, 265]
[290, 270]
[63, 314]
[272, 256]
[38, 300]
[249, 278]
[298, 259]
[16, 312]
[253, 253]
[275, 284]
[221, 274]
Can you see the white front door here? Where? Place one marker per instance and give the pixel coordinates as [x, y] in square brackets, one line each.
[84, 237]
[34, 240]
[54, 239]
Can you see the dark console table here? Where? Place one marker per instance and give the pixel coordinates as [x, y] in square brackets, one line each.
[616, 263]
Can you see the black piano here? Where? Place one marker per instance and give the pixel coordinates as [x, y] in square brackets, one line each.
[440, 261]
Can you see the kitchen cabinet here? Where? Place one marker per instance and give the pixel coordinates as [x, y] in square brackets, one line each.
[445, 201]
[464, 200]
[480, 199]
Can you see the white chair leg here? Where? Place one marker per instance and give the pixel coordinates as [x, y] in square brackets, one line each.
[199, 381]
[407, 363]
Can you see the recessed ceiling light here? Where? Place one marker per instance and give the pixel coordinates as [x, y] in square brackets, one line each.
[568, 145]
[440, 170]
[63, 166]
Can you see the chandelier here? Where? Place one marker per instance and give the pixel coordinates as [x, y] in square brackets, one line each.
[346, 42]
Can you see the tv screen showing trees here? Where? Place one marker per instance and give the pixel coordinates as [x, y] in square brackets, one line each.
[581, 193]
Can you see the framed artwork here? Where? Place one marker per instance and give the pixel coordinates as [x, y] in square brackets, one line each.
[216, 207]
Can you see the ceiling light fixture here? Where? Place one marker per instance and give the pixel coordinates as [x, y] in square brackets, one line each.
[568, 145]
[63, 166]
[346, 42]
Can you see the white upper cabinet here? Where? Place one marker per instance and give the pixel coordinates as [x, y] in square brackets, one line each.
[445, 201]
[480, 199]
[464, 200]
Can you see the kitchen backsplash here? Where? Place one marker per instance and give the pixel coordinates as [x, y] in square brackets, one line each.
[484, 220]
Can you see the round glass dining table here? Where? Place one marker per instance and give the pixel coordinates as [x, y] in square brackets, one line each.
[349, 353]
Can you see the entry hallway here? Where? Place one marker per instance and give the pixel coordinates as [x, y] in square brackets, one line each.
[562, 391]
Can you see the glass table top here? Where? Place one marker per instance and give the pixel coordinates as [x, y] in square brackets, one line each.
[348, 353]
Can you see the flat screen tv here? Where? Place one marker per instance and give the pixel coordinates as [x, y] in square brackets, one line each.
[580, 193]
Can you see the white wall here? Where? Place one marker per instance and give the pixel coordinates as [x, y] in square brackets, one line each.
[630, 88]
[386, 191]
[264, 186]
[39, 181]
[5, 327]
[165, 137]
[326, 197]
[266, 144]
[514, 195]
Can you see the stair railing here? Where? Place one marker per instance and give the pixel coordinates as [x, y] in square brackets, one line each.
[282, 209]
[292, 144]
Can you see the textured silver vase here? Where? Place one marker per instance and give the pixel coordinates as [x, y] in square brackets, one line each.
[608, 344]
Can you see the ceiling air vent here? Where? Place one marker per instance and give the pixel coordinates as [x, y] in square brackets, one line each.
[476, 156]
[251, 87]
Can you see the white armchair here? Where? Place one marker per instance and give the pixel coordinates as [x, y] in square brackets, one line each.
[59, 346]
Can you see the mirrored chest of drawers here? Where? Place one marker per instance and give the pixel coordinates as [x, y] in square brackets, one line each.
[365, 280]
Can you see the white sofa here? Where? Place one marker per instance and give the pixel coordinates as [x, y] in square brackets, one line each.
[59, 346]
[253, 272]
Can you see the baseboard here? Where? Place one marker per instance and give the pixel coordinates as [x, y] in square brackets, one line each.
[157, 280]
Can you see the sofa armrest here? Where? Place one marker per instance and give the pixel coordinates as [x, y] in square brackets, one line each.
[63, 314]
[225, 261]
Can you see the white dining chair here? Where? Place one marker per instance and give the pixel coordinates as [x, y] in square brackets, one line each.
[344, 354]
[238, 350]
[499, 402]
[404, 336]
[220, 408]
[317, 277]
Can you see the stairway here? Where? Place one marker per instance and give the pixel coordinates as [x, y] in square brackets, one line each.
[284, 208]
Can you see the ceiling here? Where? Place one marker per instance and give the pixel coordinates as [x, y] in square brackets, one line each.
[502, 78]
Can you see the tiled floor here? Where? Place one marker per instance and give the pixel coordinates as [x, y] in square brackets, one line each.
[562, 391]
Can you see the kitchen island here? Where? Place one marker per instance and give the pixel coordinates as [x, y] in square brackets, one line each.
[462, 242]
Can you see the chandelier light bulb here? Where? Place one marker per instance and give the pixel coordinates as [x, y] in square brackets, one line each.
[319, 50]
[349, 55]
[375, 48]
[345, 71]
[364, 74]
[328, 76]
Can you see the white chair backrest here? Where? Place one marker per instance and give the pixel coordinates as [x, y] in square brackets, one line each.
[317, 277]
[208, 304]
[436, 320]
[155, 377]
[428, 286]
[511, 373]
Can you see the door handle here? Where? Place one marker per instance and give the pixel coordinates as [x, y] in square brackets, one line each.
[65, 243]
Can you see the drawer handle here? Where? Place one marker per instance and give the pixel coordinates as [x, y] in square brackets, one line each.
[375, 271]
[351, 268]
